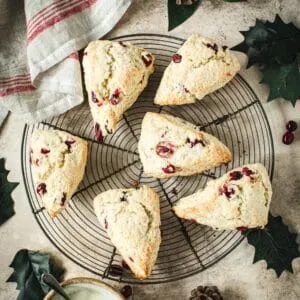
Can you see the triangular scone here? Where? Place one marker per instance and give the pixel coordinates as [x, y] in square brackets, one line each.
[131, 218]
[170, 146]
[239, 199]
[199, 68]
[115, 75]
[58, 162]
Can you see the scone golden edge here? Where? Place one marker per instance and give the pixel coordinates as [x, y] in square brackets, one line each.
[170, 146]
[200, 67]
[240, 198]
[115, 75]
[58, 161]
[131, 218]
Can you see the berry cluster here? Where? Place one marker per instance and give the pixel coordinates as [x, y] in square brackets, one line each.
[289, 136]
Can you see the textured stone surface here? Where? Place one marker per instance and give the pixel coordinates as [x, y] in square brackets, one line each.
[235, 275]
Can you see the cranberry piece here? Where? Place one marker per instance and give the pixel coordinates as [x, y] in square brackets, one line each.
[131, 258]
[63, 199]
[41, 189]
[170, 169]
[94, 98]
[45, 151]
[288, 138]
[98, 133]
[247, 172]
[105, 224]
[122, 44]
[115, 271]
[213, 47]
[164, 149]
[176, 58]
[227, 190]
[235, 175]
[124, 265]
[115, 98]
[242, 229]
[194, 142]
[126, 291]
[69, 143]
[37, 162]
[291, 126]
[147, 59]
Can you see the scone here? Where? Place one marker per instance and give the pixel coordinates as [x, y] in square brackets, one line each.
[170, 146]
[115, 75]
[58, 162]
[131, 218]
[239, 199]
[198, 68]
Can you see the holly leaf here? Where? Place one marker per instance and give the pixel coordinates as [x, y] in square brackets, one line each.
[274, 244]
[268, 43]
[6, 187]
[283, 80]
[179, 13]
[28, 268]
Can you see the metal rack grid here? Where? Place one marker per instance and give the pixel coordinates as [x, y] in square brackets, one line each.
[233, 114]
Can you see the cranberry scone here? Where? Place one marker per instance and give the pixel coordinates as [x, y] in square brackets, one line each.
[239, 199]
[131, 218]
[200, 67]
[58, 162]
[170, 146]
[115, 75]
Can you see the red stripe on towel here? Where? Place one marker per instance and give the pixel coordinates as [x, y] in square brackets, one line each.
[17, 89]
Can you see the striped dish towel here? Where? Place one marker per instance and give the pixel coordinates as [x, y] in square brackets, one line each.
[40, 73]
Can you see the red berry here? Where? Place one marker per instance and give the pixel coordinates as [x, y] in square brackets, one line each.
[247, 172]
[194, 142]
[94, 98]
[164, 149]
[176, 58]
[170, 169]
[98, 133]
[242, 229]
[147, 59]
[41, 189]
[227, 190]
[235, 175]
[126, 291]
[115, 98]
[291, 126]
[288, 138]
[45, 151]
[69, 143]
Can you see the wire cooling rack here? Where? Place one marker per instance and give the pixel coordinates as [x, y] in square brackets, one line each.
[233, 114]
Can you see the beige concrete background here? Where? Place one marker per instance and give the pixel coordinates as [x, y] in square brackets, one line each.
[235, 275]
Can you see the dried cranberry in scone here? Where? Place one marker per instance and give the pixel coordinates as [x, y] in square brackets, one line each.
[115, 97]
[235, 175]
[45, 151]
[164, 149]
[41, 189]
[227, 190]
[69, 143]
[194, 142]
[169, 169]
[98, 133]
[247, 172]
[147, 59]
[176, 58]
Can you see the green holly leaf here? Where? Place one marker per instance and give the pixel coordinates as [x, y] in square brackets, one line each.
[268, 43]
[179, 13]
[28, 268]
[274, 244]
[6, 187]
[283, 80]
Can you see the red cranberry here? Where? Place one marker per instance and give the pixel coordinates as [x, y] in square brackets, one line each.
[105, 224]
[288, 138]
[41, 189]
[63, 199]
[147, 59]
[247, 172]
[242, 229]
[227, 190]
[45, 151]
[126, 291]
[115, 98]
[98, 132]
[194, 142]
[235, 175]
[37, 162]
[176, 58]
[164, 149]
[124, 265]
[170, 169]
[69, 143]
[94, 98]
[291, 126]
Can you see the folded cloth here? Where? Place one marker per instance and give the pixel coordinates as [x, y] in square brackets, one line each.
[40, 74]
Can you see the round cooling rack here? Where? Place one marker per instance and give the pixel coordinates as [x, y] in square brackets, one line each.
[233, 114]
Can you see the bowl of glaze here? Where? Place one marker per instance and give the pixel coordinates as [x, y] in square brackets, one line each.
[82, 288]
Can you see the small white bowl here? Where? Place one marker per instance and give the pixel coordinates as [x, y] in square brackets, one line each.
[80, 288]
